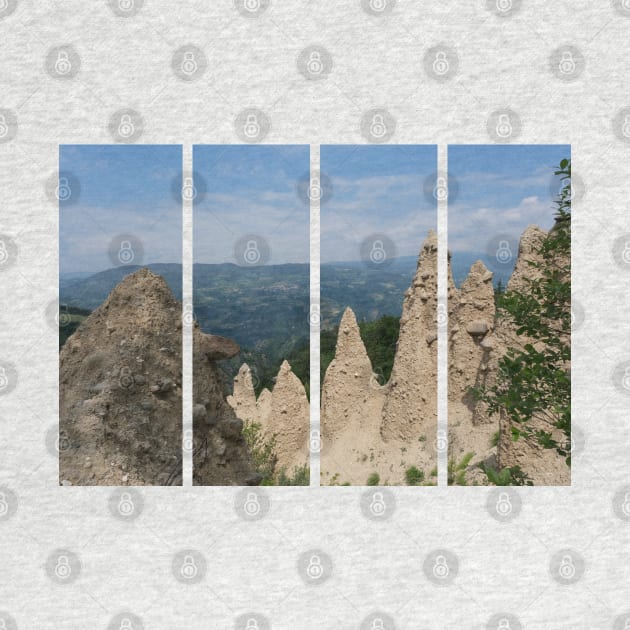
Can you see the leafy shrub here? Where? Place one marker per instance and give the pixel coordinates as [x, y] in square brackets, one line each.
[263, 452]
[301, 477]
[414, 476]
[262, 449]
[457, 471]
[513, 476]
[534, 382]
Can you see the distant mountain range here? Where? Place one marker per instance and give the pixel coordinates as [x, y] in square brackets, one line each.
[268, 306]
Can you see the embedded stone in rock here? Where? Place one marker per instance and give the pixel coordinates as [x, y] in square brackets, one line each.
[431, 337]
[487, 344]
[254, 479]
[215, 347]
[199, 412]
[232, 428]
[478, 328]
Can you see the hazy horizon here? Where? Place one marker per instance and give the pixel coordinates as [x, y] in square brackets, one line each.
[251, 194]
[126, 194]
[376, 190]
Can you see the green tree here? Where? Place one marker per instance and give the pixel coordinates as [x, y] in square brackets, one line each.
[534, 382]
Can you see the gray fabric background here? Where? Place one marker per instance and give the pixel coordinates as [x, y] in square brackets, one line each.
[126, 568]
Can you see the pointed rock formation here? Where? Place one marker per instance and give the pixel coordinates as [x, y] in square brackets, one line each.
[121, 397]
[243, 399]
[471, 322]
[288, 419]
[530, 242]
[283, 413]
[349, 380]
[410, 408]
[368, 427]
[477, 341]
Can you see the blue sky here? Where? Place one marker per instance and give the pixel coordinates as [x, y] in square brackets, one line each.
[376, 189]
[251, 189]
[124, 189]
[501, 189]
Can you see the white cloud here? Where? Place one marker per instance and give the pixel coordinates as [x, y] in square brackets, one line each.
[469, 229]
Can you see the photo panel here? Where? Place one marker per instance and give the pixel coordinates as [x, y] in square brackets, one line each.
[119, 315]
[509, 316]
[251, 353]
[378, 315]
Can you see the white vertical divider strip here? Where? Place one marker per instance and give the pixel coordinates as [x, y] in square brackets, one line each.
[187, 297]
[442, 315]
[314, 314]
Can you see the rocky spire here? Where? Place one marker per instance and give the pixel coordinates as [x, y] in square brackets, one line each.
[349, 379]
[471, 322]
[531, 240]
[243, 400]
[289, 419]
[410, 408]
[283, 413]
[120, 395]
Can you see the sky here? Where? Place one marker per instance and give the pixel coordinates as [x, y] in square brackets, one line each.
[124, 189]
[501, 189]
[376, 190]
[251, 192]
